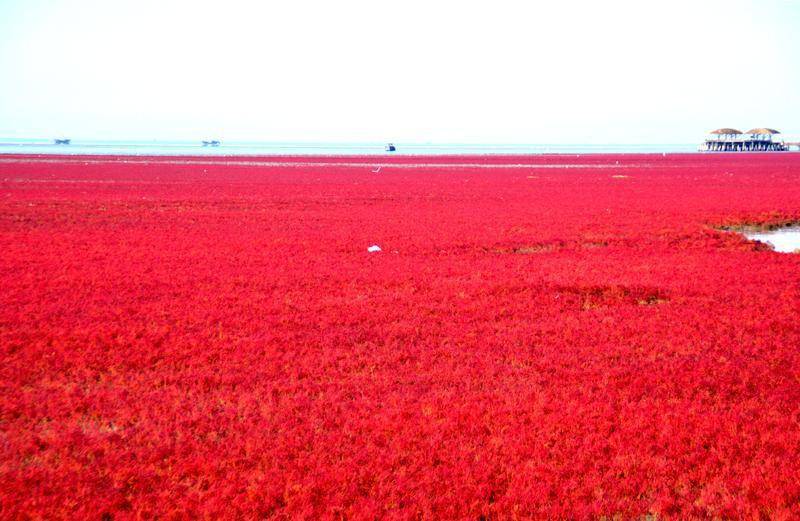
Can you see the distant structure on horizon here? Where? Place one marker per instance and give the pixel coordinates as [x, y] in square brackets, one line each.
[754, 140]
[62, 141]
[213, 143]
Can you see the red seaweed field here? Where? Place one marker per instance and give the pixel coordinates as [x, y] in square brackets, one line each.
[539, 337]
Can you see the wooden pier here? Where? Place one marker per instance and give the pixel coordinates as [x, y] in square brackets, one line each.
[754, 140]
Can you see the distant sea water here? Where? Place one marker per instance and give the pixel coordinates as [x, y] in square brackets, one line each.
[245, 148]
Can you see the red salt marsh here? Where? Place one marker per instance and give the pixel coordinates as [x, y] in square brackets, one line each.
[546, 336]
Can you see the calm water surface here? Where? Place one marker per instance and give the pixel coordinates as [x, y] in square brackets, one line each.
[234, 148]
[786, 240]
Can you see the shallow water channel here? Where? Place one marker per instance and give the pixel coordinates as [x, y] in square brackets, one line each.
[786, 240]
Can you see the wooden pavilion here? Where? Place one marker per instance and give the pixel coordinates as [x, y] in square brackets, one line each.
[761, 139]
[732, 140]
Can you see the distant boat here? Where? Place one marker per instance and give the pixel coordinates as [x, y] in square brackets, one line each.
[213, 143]
[62, 141]
[390, 147]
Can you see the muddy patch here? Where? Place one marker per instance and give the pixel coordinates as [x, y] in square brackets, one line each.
[592, 297]
[546, 247]
[526, 249]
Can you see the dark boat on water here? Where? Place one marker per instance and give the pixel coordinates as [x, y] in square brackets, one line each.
[62, 141]
[390, 147]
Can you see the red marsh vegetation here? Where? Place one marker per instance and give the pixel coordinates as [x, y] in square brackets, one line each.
[549, 336]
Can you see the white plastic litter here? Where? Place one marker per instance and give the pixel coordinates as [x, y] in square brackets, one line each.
[374, 248]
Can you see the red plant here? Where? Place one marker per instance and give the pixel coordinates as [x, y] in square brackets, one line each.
[549, 336]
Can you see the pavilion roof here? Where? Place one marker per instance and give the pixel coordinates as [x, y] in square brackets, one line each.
[721, 131]
[762, 130]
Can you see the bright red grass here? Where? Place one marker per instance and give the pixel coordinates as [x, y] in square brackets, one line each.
[211, 338]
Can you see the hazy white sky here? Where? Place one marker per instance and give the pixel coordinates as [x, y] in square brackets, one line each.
[413, 70]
